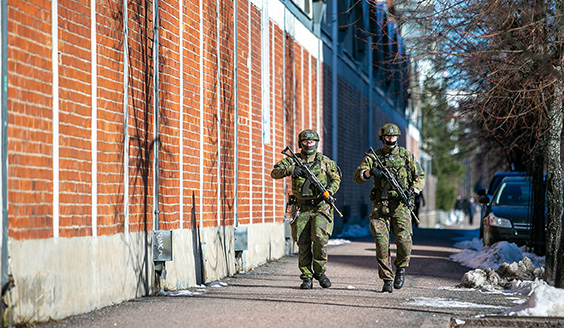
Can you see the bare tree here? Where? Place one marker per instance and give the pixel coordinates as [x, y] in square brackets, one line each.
[504, 59]
[508, 56]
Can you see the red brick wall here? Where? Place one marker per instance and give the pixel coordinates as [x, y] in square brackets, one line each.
[191, 112]
[110, 122]
[243, 121]
[75, 112]
[169, 116]
[227, 86]
[141, 117]
[30, 115]
[207, 127]
[277, 89]
[255, 119]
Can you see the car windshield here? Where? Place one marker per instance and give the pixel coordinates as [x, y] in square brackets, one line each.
[514, 193]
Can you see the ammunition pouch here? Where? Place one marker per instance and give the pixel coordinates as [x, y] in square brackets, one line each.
[373, 194]
[385, 209]
[309, 202]
[292, 200]
[291, 204]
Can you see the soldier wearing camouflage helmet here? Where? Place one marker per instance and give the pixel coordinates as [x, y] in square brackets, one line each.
[312, 222]
[388, 212]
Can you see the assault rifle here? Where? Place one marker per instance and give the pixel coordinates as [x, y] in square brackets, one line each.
[324, 192]
[397, 185]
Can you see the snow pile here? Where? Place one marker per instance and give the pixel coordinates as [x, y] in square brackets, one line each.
[200, 290]
[502, 277]
[507, 269]
[337, 242]
[488, 257]
[474, 244]
[544, 301]
[496, 266]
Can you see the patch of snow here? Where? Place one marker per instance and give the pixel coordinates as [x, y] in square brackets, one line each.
[337, 242]
[505, 268]
[437, 302]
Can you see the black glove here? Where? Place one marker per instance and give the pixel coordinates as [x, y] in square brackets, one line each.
[376, 173]
[331, 199]
[411, 196]
[299, 172]
[414, 193]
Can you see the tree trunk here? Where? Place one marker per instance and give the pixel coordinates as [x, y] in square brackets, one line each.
[553, 184]
[555, 232]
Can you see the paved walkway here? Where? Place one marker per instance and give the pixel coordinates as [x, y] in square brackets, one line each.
[268, 296]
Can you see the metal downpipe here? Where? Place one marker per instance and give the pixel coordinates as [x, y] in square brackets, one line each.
[236, 99]
[156, 108]
[4, 85]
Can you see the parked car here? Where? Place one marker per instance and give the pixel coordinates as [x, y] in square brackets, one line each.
[496, 180]
[486, 195]
[509, 214]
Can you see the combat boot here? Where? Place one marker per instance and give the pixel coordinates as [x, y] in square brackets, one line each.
[323, 280]
[399, 279]
[306, 284]
[387, 288]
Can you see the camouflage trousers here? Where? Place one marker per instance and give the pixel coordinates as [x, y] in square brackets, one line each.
[311, 230]
[398, 222]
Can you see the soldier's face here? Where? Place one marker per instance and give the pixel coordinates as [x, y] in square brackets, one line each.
[391, 138]
[308, 143]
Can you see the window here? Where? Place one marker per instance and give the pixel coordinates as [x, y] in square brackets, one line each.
[305, 6]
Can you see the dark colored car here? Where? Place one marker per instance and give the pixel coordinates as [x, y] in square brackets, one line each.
[486, 195]
[497, 178]
[508, 215]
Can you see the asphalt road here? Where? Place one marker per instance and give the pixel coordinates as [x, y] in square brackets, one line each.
[269, 296]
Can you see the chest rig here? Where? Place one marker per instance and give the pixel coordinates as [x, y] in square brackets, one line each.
[397, 163]
[305, 188]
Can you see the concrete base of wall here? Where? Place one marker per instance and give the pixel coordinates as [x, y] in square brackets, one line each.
[59, 277]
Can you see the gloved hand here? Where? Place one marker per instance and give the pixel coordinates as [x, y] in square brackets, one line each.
[411, 198]
[376, 173]
[299, 172]
[331, 199]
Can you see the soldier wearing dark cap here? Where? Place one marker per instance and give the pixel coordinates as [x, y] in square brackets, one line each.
[389, 213]
[312, 222]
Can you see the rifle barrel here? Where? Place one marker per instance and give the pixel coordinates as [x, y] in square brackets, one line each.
[396, 185]
[324, 192]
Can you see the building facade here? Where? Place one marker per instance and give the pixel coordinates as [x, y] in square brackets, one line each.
[138, 136]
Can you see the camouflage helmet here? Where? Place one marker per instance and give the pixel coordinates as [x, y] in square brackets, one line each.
[308, 134]
[389, 129]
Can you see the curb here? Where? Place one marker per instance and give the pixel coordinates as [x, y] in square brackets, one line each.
[496, 321]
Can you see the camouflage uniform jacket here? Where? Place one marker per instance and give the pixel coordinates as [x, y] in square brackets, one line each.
[402, 163]
[325, 169]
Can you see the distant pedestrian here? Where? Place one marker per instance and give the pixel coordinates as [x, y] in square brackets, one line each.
[459, 209]
[389, 214]
[312, 222]
[459, 204]
[471, 210]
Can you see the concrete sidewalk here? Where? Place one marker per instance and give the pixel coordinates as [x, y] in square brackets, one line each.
[269, 296]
